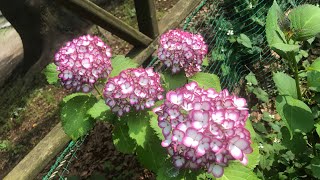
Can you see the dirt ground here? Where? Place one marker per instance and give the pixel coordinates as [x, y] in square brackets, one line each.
[28, 115]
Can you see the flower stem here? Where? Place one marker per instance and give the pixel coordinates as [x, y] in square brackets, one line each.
[295, 72]
[99, 92]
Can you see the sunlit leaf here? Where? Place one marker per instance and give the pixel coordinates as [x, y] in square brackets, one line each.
[251, 78]
[51, 73]
[207, 80]
[120, 63]
[98, 109]
[285, 84]
[237, 171]
[275, 37]
[244, 40]
[305, 22]
[315, 66]
[313, 78]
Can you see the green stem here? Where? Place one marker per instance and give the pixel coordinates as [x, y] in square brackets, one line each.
[296, 73]
[99, 92]
[314, 145]
[313, 137]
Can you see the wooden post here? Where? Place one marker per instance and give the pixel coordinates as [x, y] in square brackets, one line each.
[171, 20]
[99, 16]
[146, 16]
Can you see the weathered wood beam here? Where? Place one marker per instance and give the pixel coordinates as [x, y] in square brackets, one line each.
[56, 139]
[171, 20]
[146, 16]
[101, 17]
[32, 164]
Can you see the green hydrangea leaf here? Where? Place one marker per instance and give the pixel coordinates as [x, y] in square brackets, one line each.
[205, 61]
[98, 109]
[285, 47]
[254, 157]
[285, 84]
[295, 113]
[51, 73]
[315, 167]
[305, 22]
[120, 63]
[315, 66]
[251, 78]
[152, 155]
[75, 120]
[137, 123]
[154, 125]
[207, 80]
[205, 176]
[173, 81]
[70, 96]
[297, 144]
[275, 37]
[121, 139]
[244, 40]
[225, 69]
[237, 171]
[275, 18]
[169, 172]
[261, 94]
[313, 78]
[318, 129]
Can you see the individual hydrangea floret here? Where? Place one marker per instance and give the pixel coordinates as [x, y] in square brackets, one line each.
[204, 128]
[82, 62]
[182, 50]
[134, 87]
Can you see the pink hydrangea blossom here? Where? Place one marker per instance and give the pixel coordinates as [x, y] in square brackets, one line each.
[82, 62]
[135, 87]
[182, 50]
[204, 128]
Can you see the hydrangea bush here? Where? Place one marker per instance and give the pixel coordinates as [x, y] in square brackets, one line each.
[182, 50]
[82, 61]
[203, 128]
[135, 87]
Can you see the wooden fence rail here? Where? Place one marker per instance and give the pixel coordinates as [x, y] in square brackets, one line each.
[101, 17]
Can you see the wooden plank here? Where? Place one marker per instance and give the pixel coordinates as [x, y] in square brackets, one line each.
[99, 16]
[180, 11]
[56, 139]
[33, 163]
[146, 16]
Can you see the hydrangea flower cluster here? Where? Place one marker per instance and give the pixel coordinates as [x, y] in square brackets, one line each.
[82, 62]
[203, 128]
[182, 50]
[133, 87]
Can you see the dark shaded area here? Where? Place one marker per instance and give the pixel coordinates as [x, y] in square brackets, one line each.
[98, 159]
[25, 18]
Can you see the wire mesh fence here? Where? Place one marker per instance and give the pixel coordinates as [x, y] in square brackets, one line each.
[235, 34]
